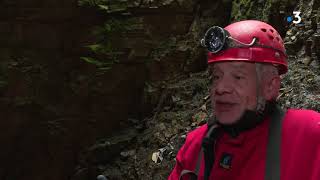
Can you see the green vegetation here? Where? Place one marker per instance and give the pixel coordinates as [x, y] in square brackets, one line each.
[247, 9]
[164, 48]
[105, 51]
[92, 3]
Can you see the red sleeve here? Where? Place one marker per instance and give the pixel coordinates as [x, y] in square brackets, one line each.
[300, 147]
[175, 173]
[316, 167]
[188, 153]
[316, 162]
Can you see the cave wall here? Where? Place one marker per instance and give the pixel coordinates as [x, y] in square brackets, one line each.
[52, 103]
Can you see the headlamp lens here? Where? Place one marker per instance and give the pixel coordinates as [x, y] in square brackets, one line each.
[214, 39]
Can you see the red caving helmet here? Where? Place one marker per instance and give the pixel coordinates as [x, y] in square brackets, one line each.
[249, 40]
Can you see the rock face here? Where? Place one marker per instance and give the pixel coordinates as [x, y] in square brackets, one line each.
[53, 104]
[44, 121]
[86, 92]
[182, 104]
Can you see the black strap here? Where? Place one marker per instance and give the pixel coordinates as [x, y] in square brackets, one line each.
[199, 162]
[207, 150]
[274, 146]
[208, 147]
[193, 175]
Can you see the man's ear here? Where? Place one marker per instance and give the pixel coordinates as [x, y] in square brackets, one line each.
[271, 88]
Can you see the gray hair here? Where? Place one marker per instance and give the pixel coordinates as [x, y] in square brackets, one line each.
[266, 71]
[263, 71]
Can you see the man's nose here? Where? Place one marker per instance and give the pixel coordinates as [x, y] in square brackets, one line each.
[223, 86]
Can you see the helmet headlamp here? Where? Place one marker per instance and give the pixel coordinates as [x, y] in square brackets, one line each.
[216, 39]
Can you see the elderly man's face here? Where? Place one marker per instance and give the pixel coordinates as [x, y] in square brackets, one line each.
[233, 90]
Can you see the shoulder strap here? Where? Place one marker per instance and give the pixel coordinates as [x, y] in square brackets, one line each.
[206, 151]
[208, 148]
[193, 175]
[274, 145]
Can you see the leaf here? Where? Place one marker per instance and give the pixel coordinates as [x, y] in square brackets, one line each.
[92, 61]
[105, 68]
[95, 47]
[107, 28]
[103, 7]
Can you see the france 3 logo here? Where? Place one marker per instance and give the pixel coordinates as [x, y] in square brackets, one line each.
[295, 19]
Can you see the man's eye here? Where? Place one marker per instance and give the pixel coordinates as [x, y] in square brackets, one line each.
[238, 77]
[215, 77]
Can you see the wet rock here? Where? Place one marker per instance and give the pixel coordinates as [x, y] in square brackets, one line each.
[101, 177]
[106, 150]
[306, 60]
[317, 78]
[315, 65]
[126, 154]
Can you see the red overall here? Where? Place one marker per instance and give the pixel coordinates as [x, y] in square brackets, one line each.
[300, 151]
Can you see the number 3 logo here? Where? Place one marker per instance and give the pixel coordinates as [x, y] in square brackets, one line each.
[297, 17]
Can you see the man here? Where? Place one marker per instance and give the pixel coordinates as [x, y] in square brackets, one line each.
[250, 137]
